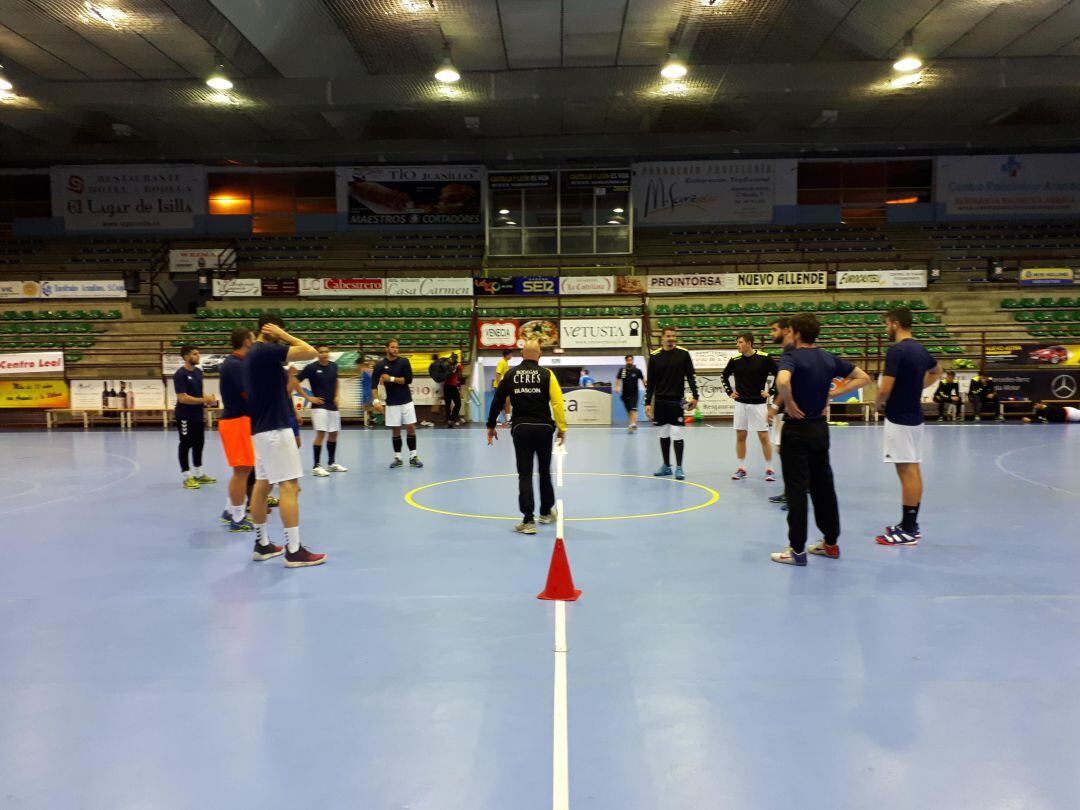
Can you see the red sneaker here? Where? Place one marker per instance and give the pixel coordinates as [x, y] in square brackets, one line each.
[302, 558]
[823, 549]
[267, 552]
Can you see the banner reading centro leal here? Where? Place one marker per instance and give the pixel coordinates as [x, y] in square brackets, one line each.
[128, 198]
[411, 195]
[32, 363]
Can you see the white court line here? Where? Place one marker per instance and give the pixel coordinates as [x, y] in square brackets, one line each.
[560, 749]
[38, 504]
[999, 463]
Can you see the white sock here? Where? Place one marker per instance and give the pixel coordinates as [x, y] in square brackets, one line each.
[197, 472]
[185, 474]
[397, 456]
[414, 453]
[260, 534]
[292, 539]
[237, 513]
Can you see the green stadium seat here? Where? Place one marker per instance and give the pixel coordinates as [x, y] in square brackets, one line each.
[862, 306]
[1046, 303]
[880, 305]
[1043, 317]
[826, 306]
[1010, 303]
[807, 306]
[844, 306]
[789, 306]
[740, 321]
[917, 304]
[683, 323]
[413, 312]
[733, 308]
[752, 308]
[871, 318]
[714, 308]
[1024, 316]
[1066, 301]
[1028, 303]
[702, 323]
[697, 309]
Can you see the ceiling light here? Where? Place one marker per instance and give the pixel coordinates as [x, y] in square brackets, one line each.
[614, 222]
[222, 98]
[447, 73]
[104, 14]
[219, 82]
[617, 210]
[909, 60]
[907, 80]
[504, 211]
[510, 222]
[5, 85]
[673, 68]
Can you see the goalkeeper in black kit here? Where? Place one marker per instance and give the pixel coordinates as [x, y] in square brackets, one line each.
[670, 371]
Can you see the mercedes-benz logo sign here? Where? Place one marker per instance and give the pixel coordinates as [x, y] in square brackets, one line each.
[1064, 386]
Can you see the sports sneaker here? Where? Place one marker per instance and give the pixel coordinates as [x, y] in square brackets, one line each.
[823, 549]
[206, 479]
[226, 517]
[632, 429]
[770, 475]
[778, 499]
[416, 462]
[271, 502]
[267, 552]
[320, 472]
[679, 474]
[244, 525]
[337, 468]
[302, 558]
[550, 517]
[788, 557]
[191, 483]
[663, 469]
[739, 474]
[525, 528]
[895, 536]
[397, 462]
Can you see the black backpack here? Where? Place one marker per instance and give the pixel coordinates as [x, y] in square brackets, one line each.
[441, 369]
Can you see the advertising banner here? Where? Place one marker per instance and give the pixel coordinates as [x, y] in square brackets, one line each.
[238, 288]
[630, 285]
[880, 279]
[412, 195]
[34, 394]
[1038, 385]
[511, 181]
[429, 286]
[1034, 354]
[703, 192]
[19, 289]
[24, 363]
[690, 282]
[322, 287]
[191, 261]
[281, 287]
[497, 334]
[1008, 185]
[587, 285]
[211, 385]
[737, 282]
[494, 285]
[128, 198]
[601, 180]
[713, 401]
[1047, 277]
[710, 358]
[600, 333]
[536, 285]
[588, 406]
[102, 288]
[111, 395]
[785, 280]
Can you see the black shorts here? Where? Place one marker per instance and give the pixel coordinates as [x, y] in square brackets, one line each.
[667, 412]
[629, 401]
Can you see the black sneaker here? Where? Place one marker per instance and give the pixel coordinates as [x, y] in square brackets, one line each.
[781, 498]
[267, 552]
[415, 462]
[397, 462]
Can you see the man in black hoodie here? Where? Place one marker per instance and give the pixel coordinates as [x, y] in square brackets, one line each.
[752, 372]
[670, 371]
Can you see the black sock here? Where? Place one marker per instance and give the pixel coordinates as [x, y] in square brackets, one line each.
[911, 518]
[317, 450]
[396, 441]
[331, 452]
[665, 450]
[678, 452]
[411, 441]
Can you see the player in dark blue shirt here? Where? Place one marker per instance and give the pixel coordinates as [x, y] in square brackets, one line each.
[804, 382]
[322, 377]
[277, 458]
[394, 373]
[190, 419]
[909, 370]
[626, 386]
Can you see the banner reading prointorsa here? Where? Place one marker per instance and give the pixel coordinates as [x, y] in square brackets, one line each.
[412, 195]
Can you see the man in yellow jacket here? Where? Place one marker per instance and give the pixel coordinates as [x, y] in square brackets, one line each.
[538, 413]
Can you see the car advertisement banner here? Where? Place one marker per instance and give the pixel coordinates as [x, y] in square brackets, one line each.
[703, 192]
[1037, 385]
[420, 196]
[1034, 354]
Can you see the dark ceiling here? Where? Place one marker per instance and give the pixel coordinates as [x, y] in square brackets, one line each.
[327, 81]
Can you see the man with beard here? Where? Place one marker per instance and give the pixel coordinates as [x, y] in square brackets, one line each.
[670, 371]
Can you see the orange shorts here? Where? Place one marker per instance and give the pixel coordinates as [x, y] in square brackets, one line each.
[236, 440]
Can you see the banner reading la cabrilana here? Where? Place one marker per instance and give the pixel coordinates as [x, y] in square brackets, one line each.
[703, 192]
[978, 186]
[128, 198]
[411, 195]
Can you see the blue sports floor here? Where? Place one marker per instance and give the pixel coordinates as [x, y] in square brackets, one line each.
[146, 662]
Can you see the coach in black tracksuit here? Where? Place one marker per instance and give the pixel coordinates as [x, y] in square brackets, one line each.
[537, 412]
[670, 370]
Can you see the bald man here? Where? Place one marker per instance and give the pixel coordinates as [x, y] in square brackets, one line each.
[537, 413]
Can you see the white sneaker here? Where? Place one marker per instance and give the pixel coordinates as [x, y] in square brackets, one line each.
[631, 429]
[550, 517]
[320, 472]
[338, 468]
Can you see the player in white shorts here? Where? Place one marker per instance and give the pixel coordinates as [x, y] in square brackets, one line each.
[325, 398]
[277, 458]
[394, 373]
[909, 370]
[752, 372]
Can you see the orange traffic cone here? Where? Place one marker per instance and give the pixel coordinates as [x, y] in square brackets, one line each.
[560, 582]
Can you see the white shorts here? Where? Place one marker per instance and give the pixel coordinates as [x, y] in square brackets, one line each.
[398, 415]
[903, 443]
[277, 458]
[324, 420]
[751, 417]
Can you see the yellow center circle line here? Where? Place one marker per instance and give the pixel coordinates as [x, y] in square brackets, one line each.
[714, 496]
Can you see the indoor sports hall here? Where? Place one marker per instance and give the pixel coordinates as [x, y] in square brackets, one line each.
[514, 404]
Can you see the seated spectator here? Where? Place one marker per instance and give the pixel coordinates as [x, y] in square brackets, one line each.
[947, 396]
[983, 395]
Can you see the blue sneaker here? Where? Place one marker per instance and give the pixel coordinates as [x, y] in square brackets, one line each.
[244, 525]
[663, 469]
[778, 499]
[226, 517]
[738, 475]
[788, 557]
[679, 474]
